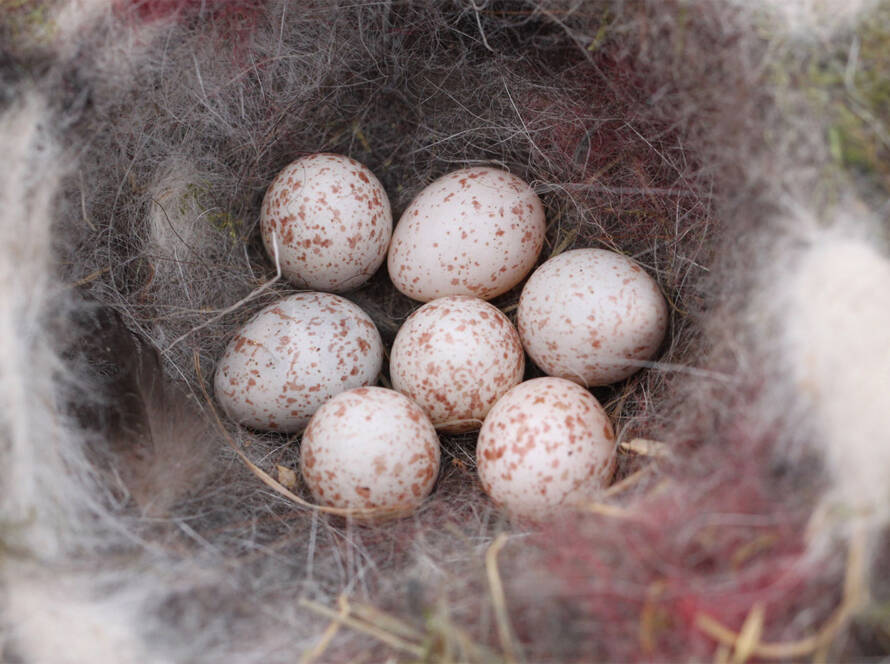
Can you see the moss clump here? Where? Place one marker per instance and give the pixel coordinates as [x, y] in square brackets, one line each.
[27, 22]
[856, 83]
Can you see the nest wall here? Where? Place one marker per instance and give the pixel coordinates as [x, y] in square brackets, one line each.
[701, 138]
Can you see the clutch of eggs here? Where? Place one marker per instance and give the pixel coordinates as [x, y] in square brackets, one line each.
[456, 356]
[591, 316]
[293, 356]
[331, 221]
[477, 231]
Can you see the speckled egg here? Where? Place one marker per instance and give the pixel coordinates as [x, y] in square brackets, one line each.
[456, 356]
[332, 222]
[591, 316]
[545, 445]
[292, 357]
[370, 448]
[477, 231]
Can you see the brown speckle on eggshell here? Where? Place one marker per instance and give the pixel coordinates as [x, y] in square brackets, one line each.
[456, 356]
[477, 231]
[370, 448]
[547, 444]
[331, 220]
[293, 356]
[591, 316]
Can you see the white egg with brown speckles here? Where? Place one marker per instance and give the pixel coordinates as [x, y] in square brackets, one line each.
[331, 220]
[547, 444]
[592, 316]
[370, 448]
[477, 231]
[293, 356]
[456, 356]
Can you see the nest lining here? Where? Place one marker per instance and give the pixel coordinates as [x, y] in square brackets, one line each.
[613, 114]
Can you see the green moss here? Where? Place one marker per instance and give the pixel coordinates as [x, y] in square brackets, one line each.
[846, 88]
[856, 81]
[28, 22]
[232, 226]
[196, 197]
[606, 21]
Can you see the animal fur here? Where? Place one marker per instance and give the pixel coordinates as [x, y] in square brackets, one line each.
[138, 137]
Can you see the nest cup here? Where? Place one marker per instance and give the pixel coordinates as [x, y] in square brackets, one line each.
[640, 127]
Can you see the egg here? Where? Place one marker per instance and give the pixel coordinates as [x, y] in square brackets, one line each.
[592, 316]
[547, 444]
[293, 356]
[477, 231]
[456, 356]
[331, 220]
[370, 447]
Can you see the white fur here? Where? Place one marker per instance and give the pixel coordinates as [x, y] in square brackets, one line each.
[63, 619]
[814, 19]
[837, 337]
[41, 477]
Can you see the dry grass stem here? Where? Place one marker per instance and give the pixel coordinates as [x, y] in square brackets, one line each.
[374, 615]
[612, 511]
[92, 276]
[375, 631]
[499, 600]
[747, 644]
[318, 649]
[644, 447]
[628, 482]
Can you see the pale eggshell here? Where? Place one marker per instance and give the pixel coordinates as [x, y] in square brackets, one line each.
[477, 231]
[545, 445]
[293, 356]
[332, 222]
[370, 448]
[585, 312]
[456, 356]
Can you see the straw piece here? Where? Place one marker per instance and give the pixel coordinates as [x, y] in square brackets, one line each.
[499, 600]
[644, 447]
[92, 276]
[604, 509]
[854, 595]
[329, 633]
[627, 482]
[750, 635]
[370, 629]
[374, 615]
